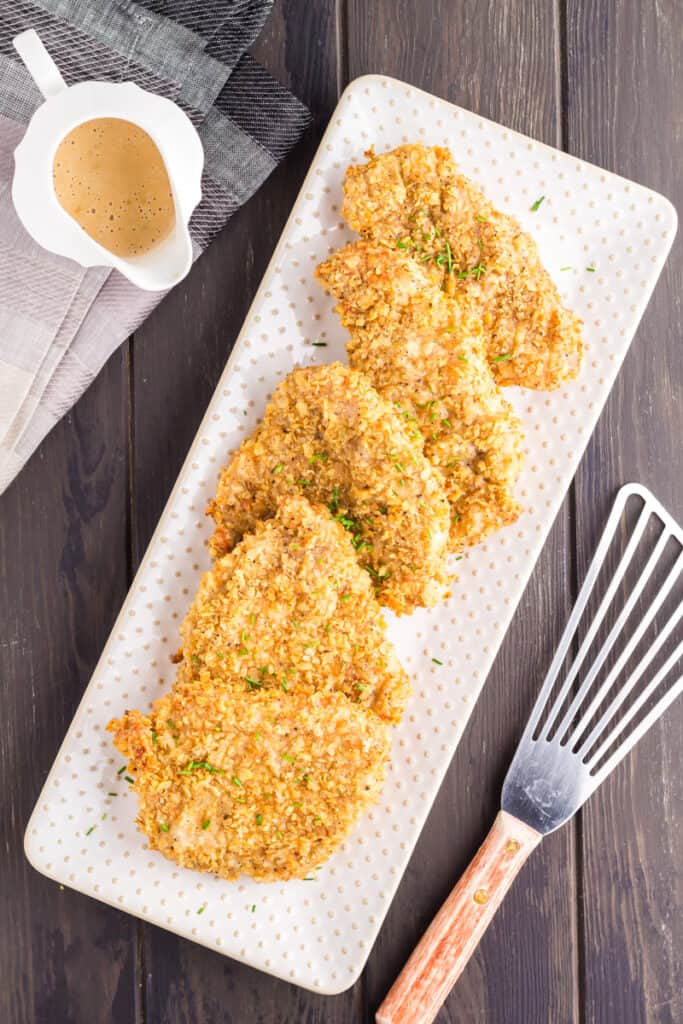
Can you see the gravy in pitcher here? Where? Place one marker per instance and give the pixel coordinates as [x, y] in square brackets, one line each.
[110, 177]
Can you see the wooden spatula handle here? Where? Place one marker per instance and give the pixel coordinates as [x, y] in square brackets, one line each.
[444, 949]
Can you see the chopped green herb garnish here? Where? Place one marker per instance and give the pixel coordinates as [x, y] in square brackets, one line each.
[347, 597]
[482, 220]
[591, 269]
[164, 828]
[381, 575]
[436, 661]
[104, 817]
[316, 820]
[502, 359]
[205, 824]
[91, 829]
[278, 469]
[333, 503]
[288, 757]
[237, 782]
[121, 770]
[445, 258]
[112, 794]
[319, 344]
[128, 779]
[201, 910]
[253, 907]
[537, 205]
[566, 268]
[259, 819]
[154, 736]
[253, 684]
[193, 765]
[195, 659]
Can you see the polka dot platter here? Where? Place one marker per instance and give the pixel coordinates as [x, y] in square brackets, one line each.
[318, 934]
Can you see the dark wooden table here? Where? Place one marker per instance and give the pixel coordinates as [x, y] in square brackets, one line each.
[592, 931]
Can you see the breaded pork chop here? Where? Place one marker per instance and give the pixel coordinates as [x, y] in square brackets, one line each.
[263, 784]
[424, 352]
[327, 434]
[415, 199]
[290, 610]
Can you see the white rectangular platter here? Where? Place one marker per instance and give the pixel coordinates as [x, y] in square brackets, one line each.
[319, 934]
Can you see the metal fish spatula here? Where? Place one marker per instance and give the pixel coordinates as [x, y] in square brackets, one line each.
[621, 679]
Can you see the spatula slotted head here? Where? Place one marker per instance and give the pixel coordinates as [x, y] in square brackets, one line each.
[597, 703]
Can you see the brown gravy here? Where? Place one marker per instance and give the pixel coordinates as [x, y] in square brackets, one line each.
[110, 177]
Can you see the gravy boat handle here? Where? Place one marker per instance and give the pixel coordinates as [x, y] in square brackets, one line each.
[39, 63]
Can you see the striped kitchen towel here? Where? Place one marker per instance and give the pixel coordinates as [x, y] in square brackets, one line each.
[59, 322]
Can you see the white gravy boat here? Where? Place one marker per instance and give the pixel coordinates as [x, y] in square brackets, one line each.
[64, 108]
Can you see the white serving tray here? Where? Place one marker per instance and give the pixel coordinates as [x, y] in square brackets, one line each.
[319, 934]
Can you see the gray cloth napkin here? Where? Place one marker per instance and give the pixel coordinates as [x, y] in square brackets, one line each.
[59, 323]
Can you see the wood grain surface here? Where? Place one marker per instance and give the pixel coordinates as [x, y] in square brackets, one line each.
[591, 931]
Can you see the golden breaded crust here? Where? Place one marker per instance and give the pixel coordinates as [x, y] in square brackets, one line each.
[327, 434]
[424, 352]
[274, 737]
[262, 784]
[415, 198]
[290, 609]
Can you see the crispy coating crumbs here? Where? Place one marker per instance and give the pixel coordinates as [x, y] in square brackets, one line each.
[425, 353]
[276, 729]
[290, 610]
[262, 784]
[415, 199]
[327, 434]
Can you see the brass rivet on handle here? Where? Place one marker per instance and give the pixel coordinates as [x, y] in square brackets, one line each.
[481, 896]
[512, 845]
